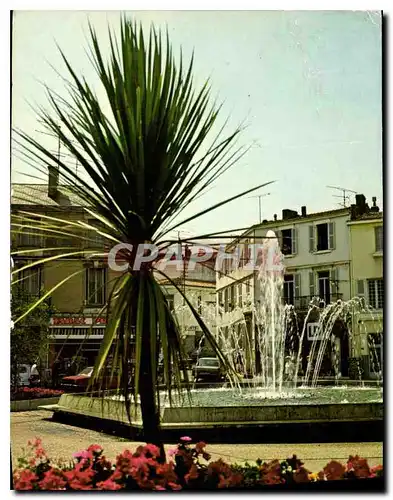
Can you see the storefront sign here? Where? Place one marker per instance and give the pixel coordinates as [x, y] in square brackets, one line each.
[76, 321]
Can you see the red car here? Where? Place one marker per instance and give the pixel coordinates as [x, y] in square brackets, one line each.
[81, 381]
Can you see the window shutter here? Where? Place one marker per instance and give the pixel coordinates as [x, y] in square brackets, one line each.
[294, 241]
[297, 285]
[311, 283]
[331, 235]
[360, 288]
[279, 238]
[311, 238]
[333, 281]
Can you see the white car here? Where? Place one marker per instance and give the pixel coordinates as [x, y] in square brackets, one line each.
[24, 375]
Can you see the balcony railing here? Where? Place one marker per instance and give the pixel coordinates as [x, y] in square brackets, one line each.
[303, 302]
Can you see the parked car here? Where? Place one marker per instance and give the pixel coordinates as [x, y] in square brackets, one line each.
[24, 375]
[80, 382]
[208, 368]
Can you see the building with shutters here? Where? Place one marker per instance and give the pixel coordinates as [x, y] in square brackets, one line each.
[317, 264]
[366, 253]
[77, 324]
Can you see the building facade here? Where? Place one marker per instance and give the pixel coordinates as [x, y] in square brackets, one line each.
[317, 263]
[366, 246]
[78, 319]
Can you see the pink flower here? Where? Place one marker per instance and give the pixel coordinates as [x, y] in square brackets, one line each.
[108, 485]
[83, 455]
[95, 448]
[152, 449]
[172, 452]
[185, 439]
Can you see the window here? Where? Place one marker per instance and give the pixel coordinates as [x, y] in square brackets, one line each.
[96, 240]
[378, 238]
[248, 287]
[324, 286]
[376, 293]
[30, 281]
[288, 244]
[240, 294]
[232, 299]
[226, 299]
[289, 289]
[28, 236]
[95, 290]
[322, 237]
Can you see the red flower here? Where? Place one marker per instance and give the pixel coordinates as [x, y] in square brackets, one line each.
[192, 473]
[152, 449]
[199, 447]
[358, 466]
[80, 479]
[376, 471]
[301, 475]
[334, 470]
[53, 480]
[40, 453]
[95, 448]
[271, 472]
[109, 485]
[25, 479]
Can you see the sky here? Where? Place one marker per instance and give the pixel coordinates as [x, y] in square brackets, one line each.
[307, 84]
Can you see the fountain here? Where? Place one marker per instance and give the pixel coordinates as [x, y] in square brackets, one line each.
[272, 396]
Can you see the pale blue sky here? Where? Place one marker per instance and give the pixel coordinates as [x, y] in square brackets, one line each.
[308, 85]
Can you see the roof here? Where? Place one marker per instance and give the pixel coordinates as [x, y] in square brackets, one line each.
[37, 195]
[369, 216]
[189, 283]
[281, 222]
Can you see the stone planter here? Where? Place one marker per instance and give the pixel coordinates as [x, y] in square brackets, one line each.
[33, 404]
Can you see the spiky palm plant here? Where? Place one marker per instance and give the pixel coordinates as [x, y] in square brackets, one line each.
[143, 164]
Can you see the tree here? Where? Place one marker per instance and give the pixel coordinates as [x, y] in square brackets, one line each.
[141, 162]
[29, 337]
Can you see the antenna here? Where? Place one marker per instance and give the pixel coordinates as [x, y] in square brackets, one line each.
[259, 196]
[344, 195]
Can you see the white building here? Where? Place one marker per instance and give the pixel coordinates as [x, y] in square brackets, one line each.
[316, 249]
[316, 260]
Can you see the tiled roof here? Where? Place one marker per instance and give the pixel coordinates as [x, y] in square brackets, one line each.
[37, 194]
[368, 216]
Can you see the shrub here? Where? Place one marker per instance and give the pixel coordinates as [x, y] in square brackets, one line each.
[189, 468]
[34, 393]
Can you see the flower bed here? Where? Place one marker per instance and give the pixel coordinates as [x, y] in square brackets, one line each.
[189, 467]
[23, 393]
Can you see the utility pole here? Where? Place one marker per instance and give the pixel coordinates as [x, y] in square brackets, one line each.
[259, 196]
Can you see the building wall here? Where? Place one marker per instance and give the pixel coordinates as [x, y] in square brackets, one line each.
[303, 261]
[366, 264]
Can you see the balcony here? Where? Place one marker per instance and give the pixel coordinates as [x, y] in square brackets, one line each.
[303, 302]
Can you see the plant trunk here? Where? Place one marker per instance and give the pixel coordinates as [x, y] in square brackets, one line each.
[149, 408]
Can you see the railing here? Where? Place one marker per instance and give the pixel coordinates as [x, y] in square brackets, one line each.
[303, 302]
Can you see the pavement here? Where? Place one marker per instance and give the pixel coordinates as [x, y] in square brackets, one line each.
[61, 440]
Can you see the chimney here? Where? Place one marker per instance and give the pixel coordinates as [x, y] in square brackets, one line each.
[289, 214]
[275, 217]
[360, 200]
[362, 207]
[304, 211]
[53, 182]
[374, 208]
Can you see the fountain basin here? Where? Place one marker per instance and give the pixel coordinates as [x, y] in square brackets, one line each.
[334, 412]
